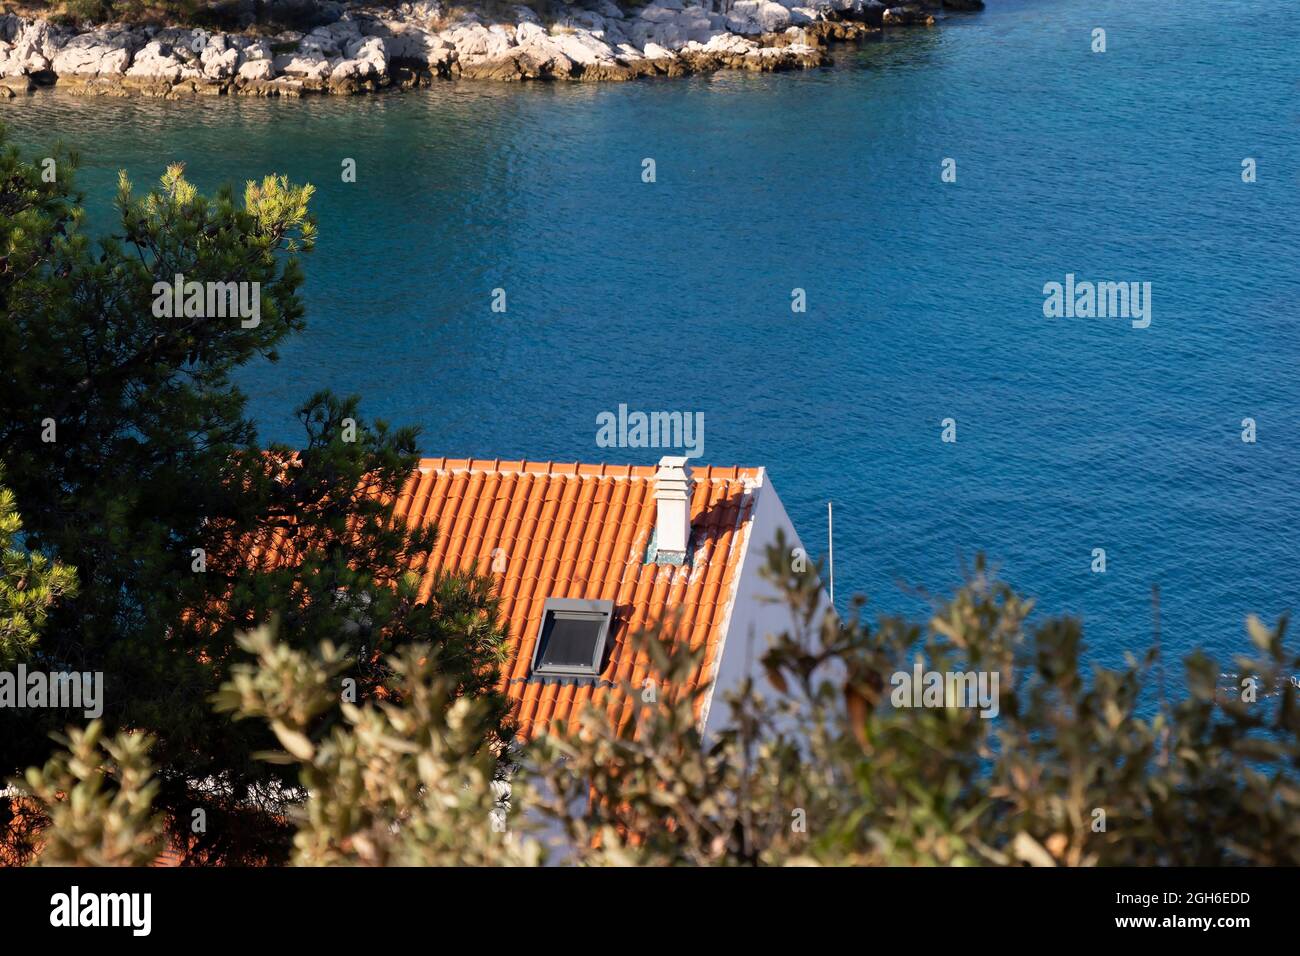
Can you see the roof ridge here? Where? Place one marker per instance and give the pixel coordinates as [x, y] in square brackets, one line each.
[579, 469]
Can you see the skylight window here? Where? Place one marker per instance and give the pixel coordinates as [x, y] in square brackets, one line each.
[572, 640]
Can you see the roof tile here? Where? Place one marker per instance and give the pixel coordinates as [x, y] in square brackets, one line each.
[582, 530]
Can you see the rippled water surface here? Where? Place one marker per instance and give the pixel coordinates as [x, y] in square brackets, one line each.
[925, 299]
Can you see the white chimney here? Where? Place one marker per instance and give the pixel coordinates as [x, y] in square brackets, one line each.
[673, 498]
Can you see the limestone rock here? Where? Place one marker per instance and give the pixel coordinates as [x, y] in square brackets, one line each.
[156, 61]
[371, 51]
[757, 16]
[413, 45]
[219, 62]
[300, 66]
[531, 34]
[259, 69]
[405, 43]
[257, 50]
[34, 45]
[283, 86]
[582, 47]
[731, 44]
[475, 43]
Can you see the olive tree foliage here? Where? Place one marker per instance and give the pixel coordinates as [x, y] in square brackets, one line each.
[824, 765]
[828, 766]
[412, 778]
[98, 793]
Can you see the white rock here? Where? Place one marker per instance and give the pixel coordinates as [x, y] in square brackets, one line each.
[372, 50]
[474, 43]
[19, 62]
[37, 36]
[219, 64]
[561, 49]
[654, 51]
[302, 66]
[260, 69]
[156, 61]
[757, 16]
[180, 46]
[582, 47]
[33, 47]
[418, 45]
[257, 50]
[351, 69]
[730, 43]
[529, 33]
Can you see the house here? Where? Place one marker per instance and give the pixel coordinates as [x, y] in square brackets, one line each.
[584, 556]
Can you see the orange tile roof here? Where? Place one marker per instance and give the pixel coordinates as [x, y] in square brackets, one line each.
[582, 531]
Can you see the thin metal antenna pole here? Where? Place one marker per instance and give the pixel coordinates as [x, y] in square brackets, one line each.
[830, 541]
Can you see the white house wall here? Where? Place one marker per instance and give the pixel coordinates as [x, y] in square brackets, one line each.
[753, 620]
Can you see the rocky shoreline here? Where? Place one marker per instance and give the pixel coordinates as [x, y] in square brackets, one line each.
[365, 48]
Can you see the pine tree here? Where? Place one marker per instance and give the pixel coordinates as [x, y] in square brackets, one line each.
[131, 456]
[30, 584]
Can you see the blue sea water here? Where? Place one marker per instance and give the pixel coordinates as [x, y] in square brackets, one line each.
[924, 298]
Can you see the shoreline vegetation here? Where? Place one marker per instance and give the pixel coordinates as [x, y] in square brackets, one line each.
[297, 47]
